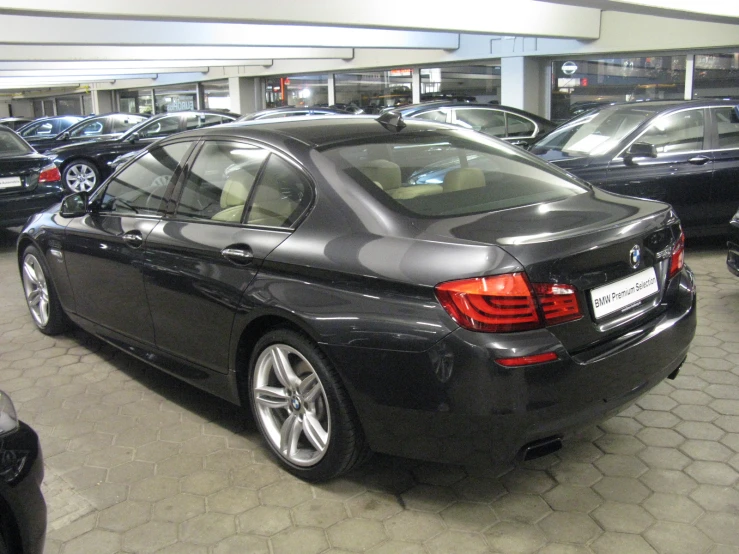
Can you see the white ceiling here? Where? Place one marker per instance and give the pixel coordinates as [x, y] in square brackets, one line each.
[67, 43]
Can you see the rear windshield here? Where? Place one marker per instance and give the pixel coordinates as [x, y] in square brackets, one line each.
[12, 145]
[450, 173]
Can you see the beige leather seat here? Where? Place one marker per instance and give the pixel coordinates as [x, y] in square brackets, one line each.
[233, 198]
[387, 176]
[463, 178]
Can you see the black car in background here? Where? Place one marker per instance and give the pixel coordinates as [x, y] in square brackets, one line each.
[46, 129]
[293, 266]
[22, 506]
[510, 124]
[683, 153]
[291, 111]
[84, 165]
[14, 123]
[29, 181]
[105, 126]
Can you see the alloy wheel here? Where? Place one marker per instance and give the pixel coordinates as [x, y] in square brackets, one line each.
[81, 178]
[36, 289]
[291, 405]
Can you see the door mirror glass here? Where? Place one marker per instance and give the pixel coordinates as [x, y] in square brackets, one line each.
[134, 137]
[74, 205]
[642, 150]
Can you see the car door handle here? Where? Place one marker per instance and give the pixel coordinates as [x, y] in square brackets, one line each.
[699, 160]
[133, 238]
[238, 255]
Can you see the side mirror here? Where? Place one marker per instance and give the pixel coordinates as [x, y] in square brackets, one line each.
[134, 138]
[640, 150]
[74, 205]
[64, 136]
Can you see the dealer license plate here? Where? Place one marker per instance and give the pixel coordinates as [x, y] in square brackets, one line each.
[9, 182]
[624, 292]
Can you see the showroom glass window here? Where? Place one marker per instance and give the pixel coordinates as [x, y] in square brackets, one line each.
[464, 83]
[373, 91]
[216, 95]
[297, 90]
[69, 105]
[140, 187]
[586, 83]
[176, 98]
[716, 75]
[136, 101]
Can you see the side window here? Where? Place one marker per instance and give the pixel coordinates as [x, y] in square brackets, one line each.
[91, 129]
[281, 196]
[197, 121]
[140, 188]
[161, 127]
[121, 123]
[433, 115]
[728, 127]
[519, 126]
[220, 181]
[43, 129]
[677, 132]
[490, 122]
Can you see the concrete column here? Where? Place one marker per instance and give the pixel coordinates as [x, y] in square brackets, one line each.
[102, 101]
[416, 85]
[331, 90]
[521, 81]
[247, 94]
[689, 71]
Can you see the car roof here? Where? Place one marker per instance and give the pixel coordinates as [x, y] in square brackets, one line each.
[433, 105]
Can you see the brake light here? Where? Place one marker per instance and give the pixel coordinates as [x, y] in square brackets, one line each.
[507, 303]
[49, 174]
[677, 260]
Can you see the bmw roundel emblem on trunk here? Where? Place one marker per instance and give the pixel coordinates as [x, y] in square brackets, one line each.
[635, 256]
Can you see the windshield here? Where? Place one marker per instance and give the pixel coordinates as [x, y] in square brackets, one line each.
[450, 173]
[595, 133]
[12, 145]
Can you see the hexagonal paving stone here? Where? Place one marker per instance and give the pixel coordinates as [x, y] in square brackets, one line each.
[622, 518]
[203, 482]
[286, 493]
[677, 538]
[374, 505]
[414, 526]
[722, 528]
[620, 543]
[97, 541]
[619, 444]
[256, 476]
[479, 489]
[673, 507]
[179, 465]
[668, 481]
[442, 475]
[299, 539]
[663, 458]
[706, 450]
[468, 516]
[457, 542]
[156, 451]
[125, 516]
[428, 498]
[572, 498]
[242, 544]
[154, 488]
[319, 513]
[622, 489]
[569, 527]
[616, 465]
[150, 537]
[264, 520]
[712, 473]
[180, 507]
[514, 537]
[233, 500]
[208, 528]
[226, 461]
[130, 472]
[526, 508]
[356, 534]
[528, 481]
[110, 457]
[653, 436]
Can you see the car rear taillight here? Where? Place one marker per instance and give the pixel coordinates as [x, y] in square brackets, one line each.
[507, 303]
[677, 260]
[49, 174]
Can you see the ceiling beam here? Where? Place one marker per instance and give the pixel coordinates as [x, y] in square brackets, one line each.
[91, 74]
[155, 66]
[196, 53]
[522, 17]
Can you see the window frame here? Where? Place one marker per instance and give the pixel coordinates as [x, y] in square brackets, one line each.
[650, 123]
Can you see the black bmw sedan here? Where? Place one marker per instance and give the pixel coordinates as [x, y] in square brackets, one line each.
[22, 506]
[683, 153]
[301, 268]
[84, 165]
[106, 126]
[29, 182]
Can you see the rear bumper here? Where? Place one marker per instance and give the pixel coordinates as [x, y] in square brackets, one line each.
[15, 209]
[21, 473]
[453, 403]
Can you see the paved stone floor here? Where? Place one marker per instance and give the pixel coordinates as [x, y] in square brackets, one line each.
[138, 462]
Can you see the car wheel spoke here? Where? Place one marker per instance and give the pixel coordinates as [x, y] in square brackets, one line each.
[272, 397]
[314, 432]
[310, 388]
[290, 434]
[283, 369]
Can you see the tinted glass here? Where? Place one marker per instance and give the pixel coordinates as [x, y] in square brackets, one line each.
[281, 196]
[196, 121]
[437, 175]
[91, 128]
[677, 132]
[122, 123]
[40, 129]
[11, 144]
[220, 181]
[161, 127]
[140, 187]
[490, 122]
[433, 115]
[520, 126]
[727, 121]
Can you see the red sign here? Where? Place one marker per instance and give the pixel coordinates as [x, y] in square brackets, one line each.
[584, 81]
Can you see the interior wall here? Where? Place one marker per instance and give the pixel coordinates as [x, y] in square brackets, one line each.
[22, 108]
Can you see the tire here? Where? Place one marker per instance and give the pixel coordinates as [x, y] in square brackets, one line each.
[301, 408]
[38, 287]
[81, 176]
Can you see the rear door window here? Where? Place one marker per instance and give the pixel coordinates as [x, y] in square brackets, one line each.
[727, 122]
[677, 132]
[490, 122]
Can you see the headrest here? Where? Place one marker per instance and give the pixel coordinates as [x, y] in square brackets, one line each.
[384, 172]
[236, 189]
[463, 178]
